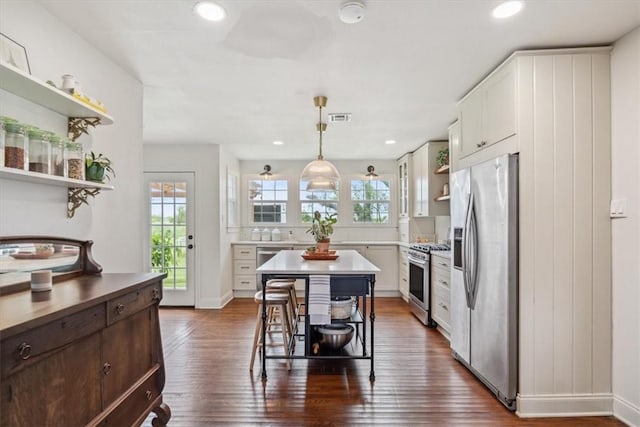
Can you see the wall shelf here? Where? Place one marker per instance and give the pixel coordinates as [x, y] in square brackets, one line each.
[28, 87]
[442, 170]
[442, 198]
[42, 178]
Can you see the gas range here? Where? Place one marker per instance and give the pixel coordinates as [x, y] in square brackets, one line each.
[422, 250]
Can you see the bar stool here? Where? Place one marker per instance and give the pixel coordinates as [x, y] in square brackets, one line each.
[288, 286]
[277, 315]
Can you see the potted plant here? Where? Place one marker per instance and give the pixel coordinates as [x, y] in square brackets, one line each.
[321, 229]
[97, 168]
[443, 157]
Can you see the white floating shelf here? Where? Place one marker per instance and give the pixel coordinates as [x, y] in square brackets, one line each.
[24, 85]
[43, 178]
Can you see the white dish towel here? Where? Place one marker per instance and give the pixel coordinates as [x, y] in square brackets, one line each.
[319, 299]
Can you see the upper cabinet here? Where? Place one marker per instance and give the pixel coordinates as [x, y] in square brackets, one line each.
[403, 185]
[454, 146]
[488, 114]
[427, 186]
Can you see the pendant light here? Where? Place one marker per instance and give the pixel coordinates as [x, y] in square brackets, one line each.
[320, 174]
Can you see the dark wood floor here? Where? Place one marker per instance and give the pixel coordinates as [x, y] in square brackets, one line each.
[207, 356]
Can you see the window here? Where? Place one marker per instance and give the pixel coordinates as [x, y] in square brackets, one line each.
[268, 200]
[325, 202]
[371, 200]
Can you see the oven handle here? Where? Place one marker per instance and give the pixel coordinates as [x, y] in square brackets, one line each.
[416, 261]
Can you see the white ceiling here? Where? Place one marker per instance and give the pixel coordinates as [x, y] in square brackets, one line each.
[251, 79]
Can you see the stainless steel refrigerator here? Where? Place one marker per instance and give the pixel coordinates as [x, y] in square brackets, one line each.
[484, 278]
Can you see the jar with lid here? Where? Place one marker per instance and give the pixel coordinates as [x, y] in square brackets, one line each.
[266, 235]
[58, 145]
[75, 160]
[15, 146]
[3, 120]
[39, 150]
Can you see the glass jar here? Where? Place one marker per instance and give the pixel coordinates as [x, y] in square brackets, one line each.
[75, 160]
[39, 151]
[57, 155]
[16, 152]
[2, 137]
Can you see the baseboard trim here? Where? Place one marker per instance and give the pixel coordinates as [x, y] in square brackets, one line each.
[565, 405]
[626, 411]
[226, 298]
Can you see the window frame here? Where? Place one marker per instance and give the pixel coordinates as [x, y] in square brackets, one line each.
[391, 218]
[249, 202]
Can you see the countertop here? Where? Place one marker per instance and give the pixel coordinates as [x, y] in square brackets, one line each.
[443, 254]
[312, 243]
[348, 262]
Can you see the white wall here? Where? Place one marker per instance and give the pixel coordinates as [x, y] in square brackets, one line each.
[211, 264]
[113, 221]
[228, 165]
[625, 112]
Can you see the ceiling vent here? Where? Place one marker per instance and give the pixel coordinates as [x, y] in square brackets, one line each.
[339, 117]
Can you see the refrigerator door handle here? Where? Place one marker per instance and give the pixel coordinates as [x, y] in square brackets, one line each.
[473, 254]
[465, 251]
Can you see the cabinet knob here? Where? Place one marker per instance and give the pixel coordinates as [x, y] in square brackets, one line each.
[479, 144]
[149, 394]
[24, 351]
[106, 368]
[119, 308]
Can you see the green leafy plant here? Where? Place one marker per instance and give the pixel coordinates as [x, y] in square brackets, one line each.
[99, 167]
[322, 228]
[443, 157]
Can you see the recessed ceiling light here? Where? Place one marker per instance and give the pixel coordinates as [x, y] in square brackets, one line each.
[507, 9]
[278, 143]
[210, 11]
[390, 141]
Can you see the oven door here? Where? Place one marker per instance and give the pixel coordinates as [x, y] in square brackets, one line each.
[419, 282]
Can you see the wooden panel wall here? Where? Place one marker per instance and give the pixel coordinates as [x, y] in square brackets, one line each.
[565, 249]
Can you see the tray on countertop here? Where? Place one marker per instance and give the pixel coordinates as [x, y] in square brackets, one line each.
[320, 256]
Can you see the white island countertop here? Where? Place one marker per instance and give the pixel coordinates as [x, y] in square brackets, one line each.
[348, 262]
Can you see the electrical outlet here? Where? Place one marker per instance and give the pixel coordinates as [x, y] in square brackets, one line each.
[618, 208]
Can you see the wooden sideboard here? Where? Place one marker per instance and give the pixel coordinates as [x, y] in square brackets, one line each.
[88, 352]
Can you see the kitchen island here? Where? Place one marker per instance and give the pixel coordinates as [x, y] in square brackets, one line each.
[351, 274]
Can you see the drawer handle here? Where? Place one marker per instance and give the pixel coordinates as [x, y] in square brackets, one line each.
[443, 305]
[244, 267]
[149, 394]
[245, 252]
[119, 308]
[479, 144]
[443, 264]
[155, 295]
[24, 351]
[245, 282]
[444, 282]
[106, 368]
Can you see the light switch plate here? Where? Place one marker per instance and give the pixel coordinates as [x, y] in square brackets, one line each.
[618, 208]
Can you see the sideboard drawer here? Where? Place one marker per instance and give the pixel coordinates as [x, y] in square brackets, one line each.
[18, 351]
[138, 401]
[131, 303]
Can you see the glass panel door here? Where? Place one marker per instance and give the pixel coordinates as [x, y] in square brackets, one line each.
[171, 243]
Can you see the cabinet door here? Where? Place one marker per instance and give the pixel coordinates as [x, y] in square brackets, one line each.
[403, 186]
[128, 352]
[419, 169]
[470, 118]
[454, 146]
[403, 271]
[499, 105]
[385, 258]
[60, 390]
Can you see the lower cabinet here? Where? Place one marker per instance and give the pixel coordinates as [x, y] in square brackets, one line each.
[440, 291]
[244, 270]
[403, 272]
[102, 365]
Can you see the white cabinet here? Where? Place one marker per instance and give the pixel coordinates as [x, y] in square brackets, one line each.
[244, 270]
[403, 185]
[386, 259]
[403, 272]
[454, 146]
[427, 186]
[440, 291]
[488, 113]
